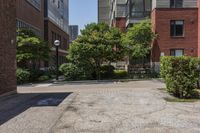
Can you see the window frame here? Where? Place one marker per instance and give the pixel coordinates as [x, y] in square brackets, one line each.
[174, 28]
[174, 50]
[175, 5]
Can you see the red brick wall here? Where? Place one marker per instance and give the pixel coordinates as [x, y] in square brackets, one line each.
[120, 23]
[31, 15]
[7, 46]
[161, 25]
[49, 28]
[199, 28]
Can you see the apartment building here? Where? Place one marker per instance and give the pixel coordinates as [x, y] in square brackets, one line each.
[56, 27]
[137, 10]
[46, 18]
[176, 22]
[49, 20]
[30, 15]
[199, 28]
[73, 32]
[104, 11]
[7, 46]
[123, 13]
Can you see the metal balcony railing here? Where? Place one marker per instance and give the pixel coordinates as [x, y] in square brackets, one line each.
[140, 14]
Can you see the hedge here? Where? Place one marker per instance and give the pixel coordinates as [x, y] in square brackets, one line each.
[181, 75]
[23, 76]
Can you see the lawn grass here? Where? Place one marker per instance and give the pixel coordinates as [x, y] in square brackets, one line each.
[175, 99]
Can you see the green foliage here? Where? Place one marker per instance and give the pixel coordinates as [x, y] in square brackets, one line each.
[138, 39]
[181, 75]
[98, 43]
[50, 72]
[30, 48]
[73, 72]
[107, 71]
[120, 74]
[43, 78]
[22, 76]
[35, 74]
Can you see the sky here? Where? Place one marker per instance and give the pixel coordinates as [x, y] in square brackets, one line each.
[82, 12]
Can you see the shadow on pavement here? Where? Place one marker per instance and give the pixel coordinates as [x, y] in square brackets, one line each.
[13, 105]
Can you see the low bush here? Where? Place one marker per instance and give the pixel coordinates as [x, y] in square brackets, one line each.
[50, 72]
[35, 74]
[181, 75]
[107, 71]
[43, 78]
[23, 76]
[120, 74]
[73, 72]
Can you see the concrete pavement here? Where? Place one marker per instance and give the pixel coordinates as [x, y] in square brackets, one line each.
[106, 107]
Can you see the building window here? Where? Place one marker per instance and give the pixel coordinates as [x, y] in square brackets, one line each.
[140, 8]
[176, 52]
[22, 25]
[176, 3]
[35, 3]
[177, 27]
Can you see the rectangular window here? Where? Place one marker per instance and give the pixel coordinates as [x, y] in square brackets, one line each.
[176, 3]
[140, 8]
[176, 52]
[35, 3]
[177, 28]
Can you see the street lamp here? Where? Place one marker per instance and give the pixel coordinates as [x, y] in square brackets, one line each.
[57, 44]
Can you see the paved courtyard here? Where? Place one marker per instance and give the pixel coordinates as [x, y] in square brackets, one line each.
[106, 107]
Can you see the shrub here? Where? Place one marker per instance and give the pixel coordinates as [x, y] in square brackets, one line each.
[22, 76]
[181, 75]
[43, 78]
[120, 74]
[72, 72]
[50, 72]
[107, 71]
[35, 74]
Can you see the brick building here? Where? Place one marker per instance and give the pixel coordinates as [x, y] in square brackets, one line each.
[46, 18]
[49, 20]
[30, 15]
[176, 22]
[176, 25]
[7, 46]
[199, 28]
[56, 27]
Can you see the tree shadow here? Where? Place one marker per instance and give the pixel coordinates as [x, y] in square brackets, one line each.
[13, 105]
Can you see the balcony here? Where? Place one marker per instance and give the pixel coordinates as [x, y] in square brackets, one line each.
[140, 14]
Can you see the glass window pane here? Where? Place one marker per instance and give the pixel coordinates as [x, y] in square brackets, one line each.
[148, 5]
[172, 5]
[179, 3]
[179, 30]
[179, 53]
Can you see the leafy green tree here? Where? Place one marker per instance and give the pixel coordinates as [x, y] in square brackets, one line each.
[138, 39]
[98, 43]
[30, 49]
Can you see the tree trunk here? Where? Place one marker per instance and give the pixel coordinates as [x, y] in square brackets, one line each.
[98, 74]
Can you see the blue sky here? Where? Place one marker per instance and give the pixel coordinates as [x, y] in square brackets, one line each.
[82, 12]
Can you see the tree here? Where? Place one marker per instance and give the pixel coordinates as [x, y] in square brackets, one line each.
[30, 49]
[138, 39]
[97, 43]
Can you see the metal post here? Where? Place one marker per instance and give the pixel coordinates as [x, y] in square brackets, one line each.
[57, 72]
